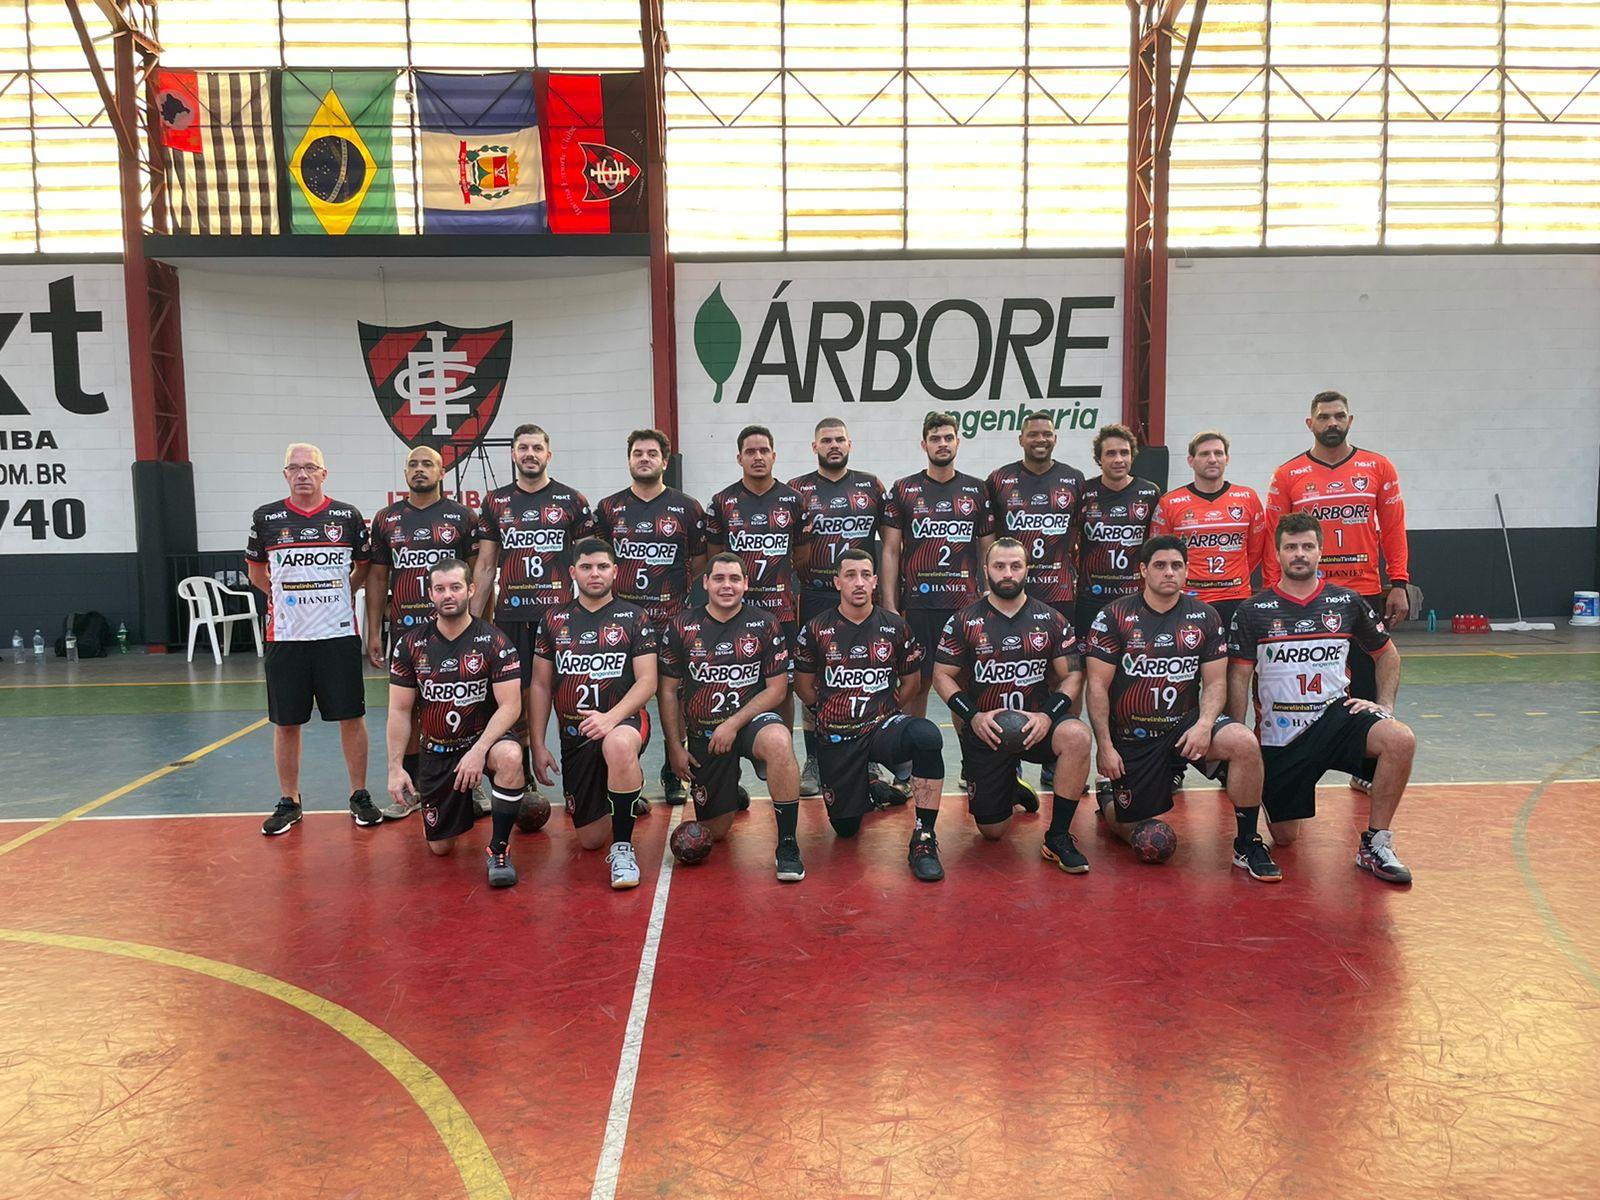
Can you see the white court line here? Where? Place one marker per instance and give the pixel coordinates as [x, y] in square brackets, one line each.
[610, 1169]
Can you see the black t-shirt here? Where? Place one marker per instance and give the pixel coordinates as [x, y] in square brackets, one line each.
[939, 524]
[763, 530]
[1001, 661]
[408, 541]
[1158, 658]
[722, 664]
[535, 532]
[857, 665]
[1114, 526]
[653, 541]
[593, 653]
[454, 678]
[1041, 511]
[840, 514]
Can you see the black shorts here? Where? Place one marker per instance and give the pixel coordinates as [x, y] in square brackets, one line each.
[791, 631]
[1145, 789]
[714, 784]
[843, 766]
[1225, 610]
[1335, 741]
[992, 774]
[1084, 611]
[814, 604]
[522, 634]
[927, 626]
[446, 813]
[583, 772]
[327, 670]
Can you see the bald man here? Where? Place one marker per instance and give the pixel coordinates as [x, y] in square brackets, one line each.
[408, 538]
[309, 554]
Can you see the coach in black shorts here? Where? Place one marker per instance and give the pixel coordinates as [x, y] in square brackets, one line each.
[309, 554]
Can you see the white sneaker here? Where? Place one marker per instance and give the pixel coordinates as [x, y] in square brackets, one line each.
[624, 867]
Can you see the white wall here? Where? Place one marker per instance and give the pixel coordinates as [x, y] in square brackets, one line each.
[275, 357]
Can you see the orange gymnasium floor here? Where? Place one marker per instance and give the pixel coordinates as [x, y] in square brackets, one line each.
[188, 1009]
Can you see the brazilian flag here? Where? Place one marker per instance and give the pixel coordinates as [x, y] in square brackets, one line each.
[337, 145]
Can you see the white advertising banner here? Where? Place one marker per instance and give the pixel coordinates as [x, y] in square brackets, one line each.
[66, 413]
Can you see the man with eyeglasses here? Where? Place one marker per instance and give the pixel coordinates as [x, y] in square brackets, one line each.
[309, 554]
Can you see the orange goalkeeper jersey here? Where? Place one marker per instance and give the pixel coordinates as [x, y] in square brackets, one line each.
[1359, 505]
[1226, 533]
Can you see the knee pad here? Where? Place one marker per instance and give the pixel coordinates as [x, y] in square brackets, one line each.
[924, 744]
[845, 827]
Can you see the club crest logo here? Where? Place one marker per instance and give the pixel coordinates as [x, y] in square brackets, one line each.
[965, 506]
[473, 663]
[667, 526]
[1189, 636]
[333, 531]
[1236, 511]
[611, 635]
[607, 172]
[1063, 499]
[861, 500]
[1331, 621]
[448, 534]
[553, 514]
[1038, 639]
[882, 651]
[1139, 511]
[749, 645]
[780, 518]
[1361, 483]
[438, 385]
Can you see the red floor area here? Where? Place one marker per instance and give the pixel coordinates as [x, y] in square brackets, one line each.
[1174, 1031]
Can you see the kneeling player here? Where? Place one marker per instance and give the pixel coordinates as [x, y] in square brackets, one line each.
[454, 662]
[1294, 639]
[853, 667]
[724, 673]
[1158, 680]
[595, 663]
[1009, 651]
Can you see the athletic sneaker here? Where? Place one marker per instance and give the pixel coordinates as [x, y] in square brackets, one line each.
[810, 779]
[924, 857]
[672, 790]
[287, 813]
[641, 807]
[399, 811]
[1255, 859]
[481, 804]
[1361, 785]
[624, 867]
[1178, 777]
[882, 794]
[362, 810]
[790, 869]
[1047, 779]
[1104, 794]
[760, 765]
[1026, 797]
[744, 800]
[1376, 854]
[1062, 849]
[501, 872]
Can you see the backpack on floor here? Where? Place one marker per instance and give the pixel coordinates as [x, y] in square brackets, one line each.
[94, 633]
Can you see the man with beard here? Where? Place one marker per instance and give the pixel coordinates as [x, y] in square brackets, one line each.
[659, 535]
[1294, 641]
[526, 531]
[1010, 651]
[1355, 495]
[408, 537]
[843, 510]
[596, 667]
[466, 674]
[723, 675]
[1221, 523]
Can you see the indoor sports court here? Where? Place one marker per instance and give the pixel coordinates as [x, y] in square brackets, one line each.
[446, 257]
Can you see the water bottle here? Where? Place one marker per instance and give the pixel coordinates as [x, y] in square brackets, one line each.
[122, 638]
[16, 646]
[38, 646]
[1433, 621]
[72, 647]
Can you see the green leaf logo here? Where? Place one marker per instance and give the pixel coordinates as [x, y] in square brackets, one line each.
[716, 339]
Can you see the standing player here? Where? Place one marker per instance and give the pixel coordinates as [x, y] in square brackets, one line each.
[659, 535]
[1221, 523]
[1294, 640]
[309, 553]
[1010, 651]
[723, 675]
[466, 673]
[843, 510]
[1355, 495]
[408, 537]
[525, 533]
[854, 665]
[1158, 682]
[596, 667]
[1035, 500]
[759, 519]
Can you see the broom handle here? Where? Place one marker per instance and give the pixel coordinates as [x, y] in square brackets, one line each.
[1510, 562]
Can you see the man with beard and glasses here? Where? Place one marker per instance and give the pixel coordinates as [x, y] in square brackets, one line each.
[1355, 495]
[408, 538]
[659, 535]
[459, 675]
[526, 531]
[1294, 642]
[1010, 651]
[843, 511]
[596, 668]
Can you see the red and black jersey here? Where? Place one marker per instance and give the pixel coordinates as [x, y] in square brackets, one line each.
[454, 678]
[1001, 661]
[1113, 525]
[408, 540]
[309, 556]
[593, 653]
[535, 532]
[722, 664]
[1040, 510]
[653, 541]
[840, 514]
[939, 524]
[1158, 656]
[858, 666]
[1225, 531]
[762, 530]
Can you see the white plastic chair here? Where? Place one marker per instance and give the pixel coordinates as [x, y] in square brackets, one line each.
[206, 600]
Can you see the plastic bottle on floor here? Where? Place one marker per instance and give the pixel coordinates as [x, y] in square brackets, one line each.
[72, 647]
[122, 638]
[16, 646]
[38, 646]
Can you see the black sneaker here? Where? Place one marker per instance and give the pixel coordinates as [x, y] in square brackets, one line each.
[501, 872]
[1178, 776]
[362, 810]
[286, 814]
[924, 857]
[1255, 859]
[1062, 849]
[641, 807]
[1047, 778]
[882, 794]
[744, 800]
[790, 868]
[1104, 795]
[672, 790]
[1026, 798]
